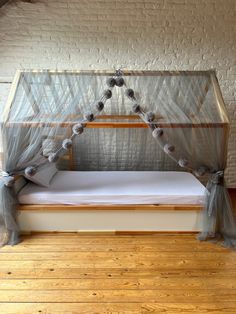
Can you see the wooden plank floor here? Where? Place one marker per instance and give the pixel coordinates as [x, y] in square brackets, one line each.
[71, 273]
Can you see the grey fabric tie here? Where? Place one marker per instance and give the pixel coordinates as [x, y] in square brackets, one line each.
[217, 177]
[7, 178]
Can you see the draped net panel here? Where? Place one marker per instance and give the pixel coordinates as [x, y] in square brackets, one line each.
[48, 112]
[119, 149]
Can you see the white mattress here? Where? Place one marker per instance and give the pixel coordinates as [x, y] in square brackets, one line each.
[116, 187]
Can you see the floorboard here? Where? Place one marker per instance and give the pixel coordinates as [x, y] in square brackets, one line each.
[70, 273]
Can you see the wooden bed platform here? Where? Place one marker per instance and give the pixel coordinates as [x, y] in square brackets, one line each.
[50, 207]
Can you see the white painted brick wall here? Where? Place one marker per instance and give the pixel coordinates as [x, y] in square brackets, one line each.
[137, 34]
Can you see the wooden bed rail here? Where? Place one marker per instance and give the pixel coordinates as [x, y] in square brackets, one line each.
[62, 207]
[112, 124]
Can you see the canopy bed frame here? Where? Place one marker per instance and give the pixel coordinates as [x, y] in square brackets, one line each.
[216, 121]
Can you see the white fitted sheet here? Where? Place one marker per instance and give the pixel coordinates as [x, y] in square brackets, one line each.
[116, 187]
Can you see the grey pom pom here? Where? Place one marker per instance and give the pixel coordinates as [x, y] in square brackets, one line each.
[100, 106]
[30, 171]
[129, 93]
[53, 157]
[136, 108]
[183, 162]
[120, 81]
[89, 117]
[201, 171]
[111, 82]
[158, 132]
[9, 181]
[169, 148]
[150, 116]
[151, 126]
[78, 129]
[67, 143]
[107, 93]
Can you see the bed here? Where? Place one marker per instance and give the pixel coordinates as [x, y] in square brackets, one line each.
[183, 112]
[122, 188]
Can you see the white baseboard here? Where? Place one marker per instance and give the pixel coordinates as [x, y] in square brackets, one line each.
[110, 220]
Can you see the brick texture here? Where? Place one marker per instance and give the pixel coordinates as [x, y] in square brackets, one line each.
[135, 34]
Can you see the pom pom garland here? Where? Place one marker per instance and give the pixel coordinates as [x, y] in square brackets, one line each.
[129, 93]
[78, 129]
[150, 116]
[151, 126]
[67, 143]
[100, 105]
[89, 117]
[30, 171]
[183, 162]
[111, 82]
[158, 132]
[107, 93]
[53, 157]
[136, 108]
[120, 81]
[169, 148]
[201, 171]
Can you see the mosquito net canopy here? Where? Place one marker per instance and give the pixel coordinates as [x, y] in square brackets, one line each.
[117, 121]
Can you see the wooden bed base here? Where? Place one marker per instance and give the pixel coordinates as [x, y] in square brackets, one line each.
[62, 207]
[108, 233]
